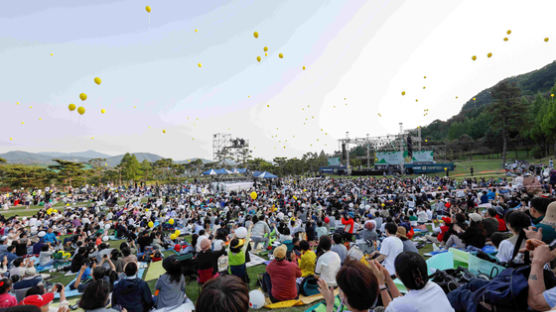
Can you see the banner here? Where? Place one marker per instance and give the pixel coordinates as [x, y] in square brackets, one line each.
[389, 158]
[334, 161]
[422, 156]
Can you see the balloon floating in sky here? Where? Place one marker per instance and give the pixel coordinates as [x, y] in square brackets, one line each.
[83, 96]
[424, 77]
[506, 39]
[51, 54]
[509, 32]
[148, 9]
[258, 59]
[199, 65]
[474, 57]
[81, 110]
[546, 39]
[489, 55]
[16, 103]
[304, 67]
[424, 87]
[256, 34]
[280, 55]
[474, 99]
[98, 81]
[416, 100]
[196, 30]
[72, 107]
[403, 93]
[265, 49]
[164, 131]
[265, 54]
[102, 111]
[379, 114]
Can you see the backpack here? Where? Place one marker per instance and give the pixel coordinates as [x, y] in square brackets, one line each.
[508, 290]
[451, 279]
[309, 286]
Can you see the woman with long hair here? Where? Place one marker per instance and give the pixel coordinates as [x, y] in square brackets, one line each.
[508, 250]
[170, 287]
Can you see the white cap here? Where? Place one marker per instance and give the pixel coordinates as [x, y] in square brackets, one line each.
[42, 234]
[241, 232]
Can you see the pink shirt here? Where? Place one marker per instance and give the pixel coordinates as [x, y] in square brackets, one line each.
[7, 300]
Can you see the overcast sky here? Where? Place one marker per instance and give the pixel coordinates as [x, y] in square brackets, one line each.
[359, 56]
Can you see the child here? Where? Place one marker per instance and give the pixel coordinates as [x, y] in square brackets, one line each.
[6, 300]
[236, 254]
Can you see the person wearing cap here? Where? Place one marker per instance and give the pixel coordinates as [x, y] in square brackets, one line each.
[408, 245]
[237, 253]
[280, 277]
[29, 280]
[544, 217]
[42, 302]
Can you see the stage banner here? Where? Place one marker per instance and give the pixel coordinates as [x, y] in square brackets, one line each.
[334, 161]
[389, 158]
[422, 156]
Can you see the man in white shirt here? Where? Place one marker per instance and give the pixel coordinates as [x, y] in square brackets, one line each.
[390, 248]
[329, 263]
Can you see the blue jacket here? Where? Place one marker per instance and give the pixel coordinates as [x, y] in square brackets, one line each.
[50, 238]
[133, 294]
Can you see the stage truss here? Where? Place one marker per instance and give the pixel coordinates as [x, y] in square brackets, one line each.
[225, 147]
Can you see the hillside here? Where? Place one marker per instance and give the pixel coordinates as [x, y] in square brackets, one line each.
[473, 119]
[47, 158]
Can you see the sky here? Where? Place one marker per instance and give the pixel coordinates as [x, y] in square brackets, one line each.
[358, 55]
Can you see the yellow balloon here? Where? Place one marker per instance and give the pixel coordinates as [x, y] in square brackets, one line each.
[173, 236]
[489, 55]
[199, 65]
[102, 111]
[55, 211]
[509, 32]
[474, 57]
[546, 39]
[98, 81]
[552, 94]
[403, 92]
[253, 195]
[196, 30]
[425, 77]
[150, 224]
[83, 96]
[426, 140]
[72, 107]
[81, 110]
[148, 9]
[304, 67]
[256, 34]
[280, 55]
[506, 39]
[265, 54]
[163, 131]
[171, 221]
[177, 232]
[258, 59]
[474, 99]
[265, 49]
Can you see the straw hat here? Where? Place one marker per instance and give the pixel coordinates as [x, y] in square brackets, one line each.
[550, 217]
[402, 232]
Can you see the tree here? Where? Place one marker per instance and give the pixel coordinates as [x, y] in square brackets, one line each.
[2, 161]
[129, 168]
[68, 172]
[146, 170]
[508, 112]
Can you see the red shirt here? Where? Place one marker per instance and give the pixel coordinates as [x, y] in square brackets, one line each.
[348, 224]
[282, 276]
[501, 224]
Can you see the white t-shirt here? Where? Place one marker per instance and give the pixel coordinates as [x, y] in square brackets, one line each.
[505, 251]
[430, 298]
[391, 247]
[328, 266]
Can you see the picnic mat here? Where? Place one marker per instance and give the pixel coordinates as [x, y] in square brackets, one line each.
[303, 300]
[255, 260]
[154, 271]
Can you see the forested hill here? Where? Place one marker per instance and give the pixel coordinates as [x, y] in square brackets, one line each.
[474, 118]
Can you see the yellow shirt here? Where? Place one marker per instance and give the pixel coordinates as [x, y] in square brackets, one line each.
[307, 263]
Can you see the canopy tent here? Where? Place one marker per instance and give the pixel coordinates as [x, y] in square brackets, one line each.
[223, 171]
[266, 175]
[239, 170]
[210, 172]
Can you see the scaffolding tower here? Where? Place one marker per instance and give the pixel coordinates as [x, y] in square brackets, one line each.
[227, 148]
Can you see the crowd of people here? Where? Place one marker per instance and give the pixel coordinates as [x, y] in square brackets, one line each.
[355, 242]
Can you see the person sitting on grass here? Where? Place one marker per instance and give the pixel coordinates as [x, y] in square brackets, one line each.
[280, 277]
[328, 263]
[358, 285]
[170, 286]
[132, 292]
[96, 297]
[207, 261]
[225, 293]
[307, 261]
